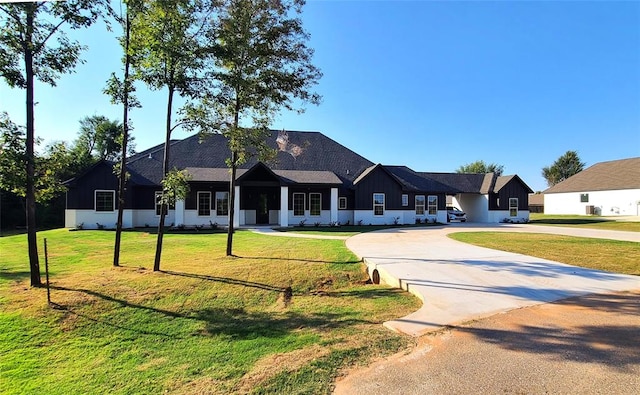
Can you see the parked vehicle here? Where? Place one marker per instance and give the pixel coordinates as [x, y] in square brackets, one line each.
[455, 214]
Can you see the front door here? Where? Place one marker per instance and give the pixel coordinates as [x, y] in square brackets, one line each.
[262, 213]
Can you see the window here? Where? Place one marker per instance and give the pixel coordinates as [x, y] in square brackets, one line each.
[584, 198]
[158, 203]
[222, 203]
[378, 204]
[405, 199]
[342, 203]
[204, 204]
[513, 207]
[315, 203]
[432, 205]
[105, 201]
[420, 204]
[298, 204]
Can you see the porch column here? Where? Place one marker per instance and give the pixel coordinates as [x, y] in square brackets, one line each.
[179, 211]
[334, 205]
[236, 205]
[284, 206]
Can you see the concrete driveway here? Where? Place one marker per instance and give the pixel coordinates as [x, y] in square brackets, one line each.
[459, 282]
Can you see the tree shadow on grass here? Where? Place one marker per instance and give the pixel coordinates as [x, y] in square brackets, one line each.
[237, 323]
[227, 280]
[14, 276]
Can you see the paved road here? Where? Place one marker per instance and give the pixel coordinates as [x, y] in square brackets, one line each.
[459, 282]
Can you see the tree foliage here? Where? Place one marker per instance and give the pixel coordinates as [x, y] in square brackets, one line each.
[564, 167]
[168, 47]
[100, 138]
[480, 167]
[27, 53]
[262, 65]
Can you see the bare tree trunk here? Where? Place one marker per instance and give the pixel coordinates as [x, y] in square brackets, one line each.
[34, 264]
[232, 203]
[125, 139]
[165, 170]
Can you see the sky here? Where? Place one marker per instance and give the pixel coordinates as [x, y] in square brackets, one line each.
[432, 85]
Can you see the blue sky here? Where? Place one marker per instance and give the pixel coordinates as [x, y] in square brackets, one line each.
[431, 85]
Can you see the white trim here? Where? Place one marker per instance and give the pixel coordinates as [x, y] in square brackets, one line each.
[304, 203]
[510, 207]
[95, 200]
[378, 204]
[198, 203]
[320, 198]
[284, 206]
[430, 205]
[333, 205]
[424, 204]
[340, 205]
[216, 204]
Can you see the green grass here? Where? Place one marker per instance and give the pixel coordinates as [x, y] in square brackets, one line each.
[205, 324]
[584, 221]
[610, 255]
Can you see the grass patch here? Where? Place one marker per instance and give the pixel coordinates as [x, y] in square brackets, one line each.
[610, 255]
[582, 221]
[205, 324]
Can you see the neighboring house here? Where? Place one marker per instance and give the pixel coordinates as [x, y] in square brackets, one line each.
[536, 203]
[313, 179]
[606, 188]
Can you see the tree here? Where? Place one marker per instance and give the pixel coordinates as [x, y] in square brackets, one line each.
[121, 92]
[480, 167]
[564, 167]
[100, 138]
[26, 54]
[168, 46]
[262, 65]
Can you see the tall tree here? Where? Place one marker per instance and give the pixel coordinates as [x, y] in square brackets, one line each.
[26, 54]
[564, 167]
[262, 65]
[480, 167]
[168, 46]
[121, 92]
[100, 138]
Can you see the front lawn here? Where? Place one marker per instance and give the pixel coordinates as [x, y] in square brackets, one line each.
[610, 255]
[205, 324]
[584, 221]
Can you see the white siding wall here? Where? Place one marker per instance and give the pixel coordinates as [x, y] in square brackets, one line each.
[344, 216]
[191, 218]
[620, 202]
[91, 218]
[406, 217]
[324, 218]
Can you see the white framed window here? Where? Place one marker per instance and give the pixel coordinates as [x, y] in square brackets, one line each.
[315, 204]
[298, 204]
[378, 204]
[405, 200]
[420, 202]
[104, 200]
[158, 198]
[432, 205]
[342, 203]
[222, 203]
[513, 207]
[204, 204]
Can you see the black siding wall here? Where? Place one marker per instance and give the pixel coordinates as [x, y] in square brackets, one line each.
[378, 181]
[513, 189]
[81, 194]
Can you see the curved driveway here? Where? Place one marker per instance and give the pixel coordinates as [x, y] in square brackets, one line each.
[459, 282]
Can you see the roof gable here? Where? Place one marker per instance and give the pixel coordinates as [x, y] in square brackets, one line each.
[603, 176]
[503, 181]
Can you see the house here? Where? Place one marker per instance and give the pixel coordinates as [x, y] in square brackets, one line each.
[313, 179]
[536, 203]
[606, 188]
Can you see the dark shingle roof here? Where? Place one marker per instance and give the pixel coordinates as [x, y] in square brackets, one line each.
[603, 176]
[411, 180]
[462, 182]
[305, 151]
